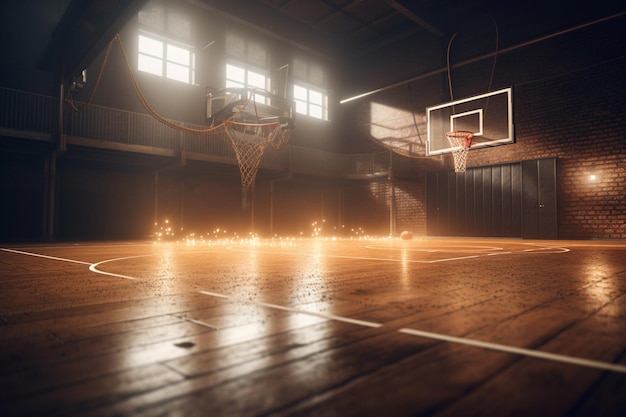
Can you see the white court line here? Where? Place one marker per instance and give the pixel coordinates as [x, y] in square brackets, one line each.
[295, 310]
[470, 342]
[360, 258]
[519, 351]
[38, 255]
[453, 259]
[464, 249]
[94, 267]
[417, 261]
[539, 247]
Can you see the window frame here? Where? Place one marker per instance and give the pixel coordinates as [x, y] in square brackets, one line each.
[166, 59]
[247, 70]
[309, 103]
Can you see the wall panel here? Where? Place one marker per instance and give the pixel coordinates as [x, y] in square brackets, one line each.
[509, 200]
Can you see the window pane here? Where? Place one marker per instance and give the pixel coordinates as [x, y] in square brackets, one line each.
[150, 47]
[256, 80]
[177, 55]
[234, 73]
[299, 93]
[178, 72]
[310, 102]
[316, 97]
[149, 64]
[315, 111]
[301, 107]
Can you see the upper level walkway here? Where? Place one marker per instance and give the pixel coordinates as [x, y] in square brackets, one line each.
[33, 116]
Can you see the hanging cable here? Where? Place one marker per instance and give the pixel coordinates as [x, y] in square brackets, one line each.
[146, 104]
[495, 54]
[493, 65]
[495, 57]
[70, 99]
[142, 97]
[448, 66]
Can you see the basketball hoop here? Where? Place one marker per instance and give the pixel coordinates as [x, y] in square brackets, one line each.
[460, 141]
[249, 141]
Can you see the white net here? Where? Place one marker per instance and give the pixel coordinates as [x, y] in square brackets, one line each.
[460, 141]
[249, 141]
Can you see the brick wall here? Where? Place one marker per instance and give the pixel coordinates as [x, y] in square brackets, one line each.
[410, 198]
[577, 118]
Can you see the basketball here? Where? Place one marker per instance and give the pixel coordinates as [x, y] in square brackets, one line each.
[406, 235]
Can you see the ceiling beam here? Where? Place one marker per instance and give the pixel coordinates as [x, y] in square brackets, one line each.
[423, 23]
[83, 32]
[267, 20]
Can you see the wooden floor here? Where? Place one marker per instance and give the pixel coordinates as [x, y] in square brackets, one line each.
[437, 327]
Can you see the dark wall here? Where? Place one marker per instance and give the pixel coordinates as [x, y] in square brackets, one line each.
[304, 207]
[22, 187]
[576, 118]
[187, 102]
[507, 200]
[568, 100]
[568, 94]
[23, 44]
[103, 201]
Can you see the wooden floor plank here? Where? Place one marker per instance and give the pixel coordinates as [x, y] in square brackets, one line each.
[291, 344]
[243, 329]
[596, 336]
[415, 368]
[309, 370]
[605, 398]
[561, 386]
[93, 393]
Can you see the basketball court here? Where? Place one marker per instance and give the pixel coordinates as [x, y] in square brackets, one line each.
[479, 142]
[447, 326]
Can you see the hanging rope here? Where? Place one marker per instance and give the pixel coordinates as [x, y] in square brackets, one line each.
[142, 97]
[70, 99]
[146, 104]
[448, 66]
[495, 57]
[493, 67]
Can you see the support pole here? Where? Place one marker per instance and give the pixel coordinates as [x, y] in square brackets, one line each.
[252, 209]
[392, 198]
[272, 208]
[50, 175]
[181, 209]
[339, 209]
[156, 200]
[50, 197]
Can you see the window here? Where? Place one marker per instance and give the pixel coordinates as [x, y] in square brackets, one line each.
[239, 77]
[310, 102]
[165, 60]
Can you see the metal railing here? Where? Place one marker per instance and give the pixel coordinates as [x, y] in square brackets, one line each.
[32, 112]
[28, 112]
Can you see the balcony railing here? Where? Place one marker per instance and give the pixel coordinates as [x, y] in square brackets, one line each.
[27, 112]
